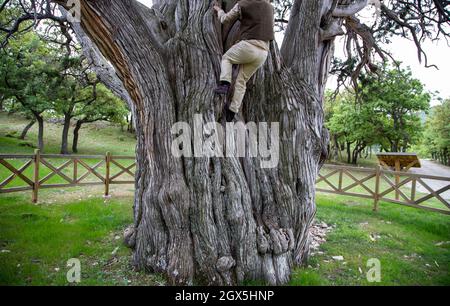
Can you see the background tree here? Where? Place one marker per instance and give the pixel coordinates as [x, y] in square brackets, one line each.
[436, 138]
[13, 107]
[400, 99]
[45, 73]
[386, 111]
[75, 87]
[212, 220]
[26, 67]
[105, 107]
[353, 124]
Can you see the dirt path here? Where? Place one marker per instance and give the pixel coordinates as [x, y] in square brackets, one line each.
[432, 168]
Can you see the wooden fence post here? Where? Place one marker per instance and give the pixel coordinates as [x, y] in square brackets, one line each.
[75, 171]
[397, 179]
[341, 177]
[108, 165]
[37, 161]
[377, 188]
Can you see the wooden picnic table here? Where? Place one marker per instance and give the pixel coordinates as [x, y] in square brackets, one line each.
[399, 162]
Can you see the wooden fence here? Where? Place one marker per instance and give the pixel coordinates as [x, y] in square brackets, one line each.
[381, 184]
[39, 171]
[59, 171]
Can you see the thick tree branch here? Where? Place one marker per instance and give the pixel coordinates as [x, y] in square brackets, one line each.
[346, 10]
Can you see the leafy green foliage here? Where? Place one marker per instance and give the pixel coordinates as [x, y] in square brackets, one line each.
[352, 124]
[397, 98]
[386, 112]
[106, 106]
[436, 139]
[27, 68]
[40, 78]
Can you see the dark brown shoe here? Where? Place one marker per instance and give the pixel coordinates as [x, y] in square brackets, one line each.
[222, 89]
[229, 114]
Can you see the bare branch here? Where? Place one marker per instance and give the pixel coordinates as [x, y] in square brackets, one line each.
[347, 10]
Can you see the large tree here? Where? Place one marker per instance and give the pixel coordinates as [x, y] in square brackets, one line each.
[398, 100]
[436, 140]
[386, 111]
[216, 220]
[75, 88]
[26, 68]
[105, 107]
[356, 125]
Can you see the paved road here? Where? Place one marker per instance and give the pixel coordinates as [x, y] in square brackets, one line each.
[432, 168]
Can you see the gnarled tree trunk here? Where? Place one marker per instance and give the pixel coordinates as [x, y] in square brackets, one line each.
[76, 134]
[27, 128]
[65, 134]
[217, 220]
[40, 121]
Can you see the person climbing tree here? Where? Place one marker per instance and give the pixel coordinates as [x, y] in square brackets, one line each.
[256, 32]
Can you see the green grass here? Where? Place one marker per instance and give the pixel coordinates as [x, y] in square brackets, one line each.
[41, 239]
[66, 223]
[371, 161]
[95, 139]
[406, 246]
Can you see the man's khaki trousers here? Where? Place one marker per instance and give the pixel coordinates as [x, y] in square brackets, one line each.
[251, 58]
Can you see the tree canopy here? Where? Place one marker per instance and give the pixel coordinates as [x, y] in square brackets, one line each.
[416, 20]
[386, 111]
[436, 140]
[397, 97]
[42, 76]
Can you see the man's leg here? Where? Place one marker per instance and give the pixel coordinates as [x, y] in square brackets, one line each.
[240, 53]
[245, 73]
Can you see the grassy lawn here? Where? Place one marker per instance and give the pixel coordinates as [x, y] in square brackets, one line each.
[370, 162]
[37, 240]
[407, 243]
[97, 138]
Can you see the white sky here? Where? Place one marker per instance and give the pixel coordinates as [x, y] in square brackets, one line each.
[406, 52]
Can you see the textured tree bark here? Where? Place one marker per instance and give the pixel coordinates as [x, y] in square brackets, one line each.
[65, 134]
[26, 129]
[76, 134]
[216, 220]
[40, 122]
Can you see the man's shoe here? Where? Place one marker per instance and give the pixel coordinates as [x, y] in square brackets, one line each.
[222, 89]
[229, 114]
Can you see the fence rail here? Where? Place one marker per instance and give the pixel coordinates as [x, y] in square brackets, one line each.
[380, 184]
[65, 170]
[37, 171]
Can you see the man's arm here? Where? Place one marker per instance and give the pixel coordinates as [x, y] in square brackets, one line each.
[231, 16]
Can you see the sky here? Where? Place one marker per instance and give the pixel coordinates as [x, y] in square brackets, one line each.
[406, 52]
